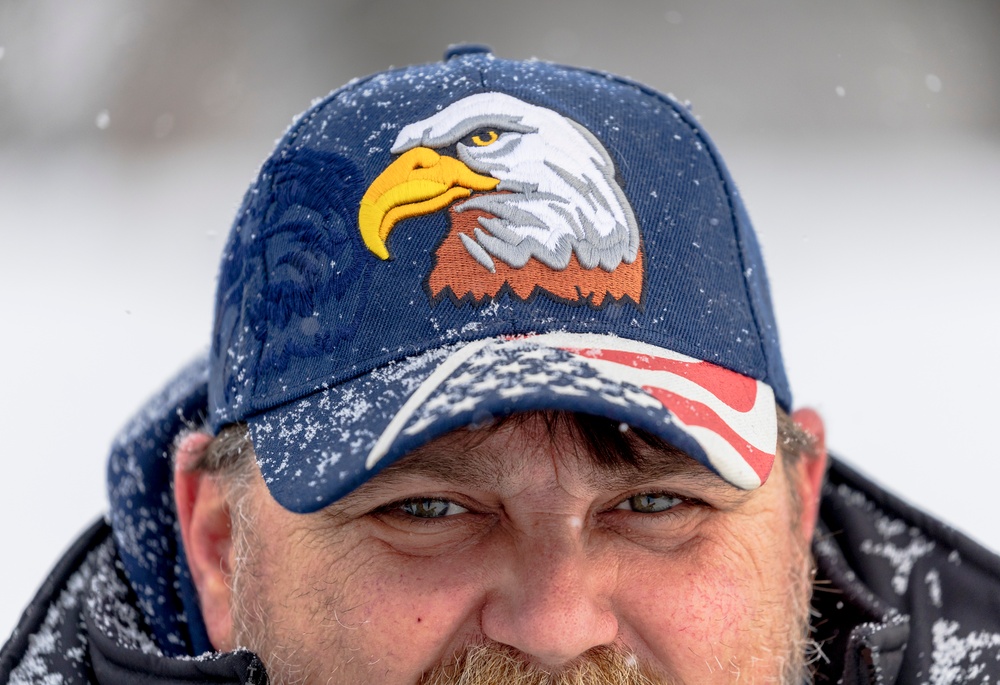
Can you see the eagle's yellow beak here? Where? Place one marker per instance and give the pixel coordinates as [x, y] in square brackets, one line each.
[419, 182]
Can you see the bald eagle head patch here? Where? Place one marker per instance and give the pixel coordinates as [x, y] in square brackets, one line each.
[533, 201]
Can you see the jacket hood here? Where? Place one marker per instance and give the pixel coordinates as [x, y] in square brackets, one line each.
[143, 516]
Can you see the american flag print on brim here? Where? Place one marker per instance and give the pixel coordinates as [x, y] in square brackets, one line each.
[315, 450]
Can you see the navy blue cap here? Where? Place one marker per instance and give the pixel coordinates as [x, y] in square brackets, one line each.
[433, 246]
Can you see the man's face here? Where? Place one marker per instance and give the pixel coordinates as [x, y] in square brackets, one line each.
[517, 543]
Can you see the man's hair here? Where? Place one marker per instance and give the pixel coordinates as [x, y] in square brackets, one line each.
[230, 455]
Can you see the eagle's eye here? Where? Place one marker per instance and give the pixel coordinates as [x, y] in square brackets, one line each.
[481, 137]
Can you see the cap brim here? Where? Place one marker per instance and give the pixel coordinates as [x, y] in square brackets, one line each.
[313, 451]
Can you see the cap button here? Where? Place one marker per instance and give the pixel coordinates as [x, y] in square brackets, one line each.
[459, 49]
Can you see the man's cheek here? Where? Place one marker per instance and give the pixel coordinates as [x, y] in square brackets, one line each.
[697, 602]
[305, 578]
[689, 611]
[377, 607]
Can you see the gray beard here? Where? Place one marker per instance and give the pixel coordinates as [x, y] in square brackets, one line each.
[497, 663]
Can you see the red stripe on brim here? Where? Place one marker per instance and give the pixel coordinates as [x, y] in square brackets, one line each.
[693, 413]
[736, 390]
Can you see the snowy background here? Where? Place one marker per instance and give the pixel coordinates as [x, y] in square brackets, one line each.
[865, 137]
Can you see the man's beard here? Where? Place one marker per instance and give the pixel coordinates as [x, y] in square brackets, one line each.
[492, 663]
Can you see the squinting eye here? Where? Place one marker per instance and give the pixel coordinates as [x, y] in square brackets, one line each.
[649, 503]
[431, 508]
[485, 138]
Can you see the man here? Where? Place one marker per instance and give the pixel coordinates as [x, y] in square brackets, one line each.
[495, 395]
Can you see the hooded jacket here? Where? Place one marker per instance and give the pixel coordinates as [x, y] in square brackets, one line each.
[900, 598]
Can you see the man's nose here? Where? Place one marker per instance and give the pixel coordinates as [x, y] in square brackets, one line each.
[553, 604]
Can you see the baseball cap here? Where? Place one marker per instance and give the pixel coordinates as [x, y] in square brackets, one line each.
[436, 246]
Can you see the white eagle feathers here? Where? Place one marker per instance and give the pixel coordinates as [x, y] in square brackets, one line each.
[561, 194]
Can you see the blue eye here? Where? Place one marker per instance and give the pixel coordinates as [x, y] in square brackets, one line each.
[649, 503]
[431, 508]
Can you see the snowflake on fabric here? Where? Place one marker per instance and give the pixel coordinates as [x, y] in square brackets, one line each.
[961, 659]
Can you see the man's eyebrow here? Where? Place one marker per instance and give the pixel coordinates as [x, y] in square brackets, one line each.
[482, 468]
[655, 464]
[458, 464]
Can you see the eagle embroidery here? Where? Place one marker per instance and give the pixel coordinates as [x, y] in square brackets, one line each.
[532, 199]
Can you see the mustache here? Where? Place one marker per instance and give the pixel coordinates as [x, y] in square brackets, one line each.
[489, 664]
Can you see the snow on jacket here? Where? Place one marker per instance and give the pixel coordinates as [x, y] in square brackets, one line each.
[900, 597]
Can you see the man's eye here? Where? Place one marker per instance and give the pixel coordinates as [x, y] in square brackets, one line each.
[649, 503]
[431, 508]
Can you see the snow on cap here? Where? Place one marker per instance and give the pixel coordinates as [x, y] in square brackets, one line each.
[434, 246]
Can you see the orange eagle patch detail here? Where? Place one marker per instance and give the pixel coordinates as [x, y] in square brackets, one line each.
[458, 275]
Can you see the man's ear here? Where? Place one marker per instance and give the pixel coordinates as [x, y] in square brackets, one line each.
[811, 468]
[206, 529]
